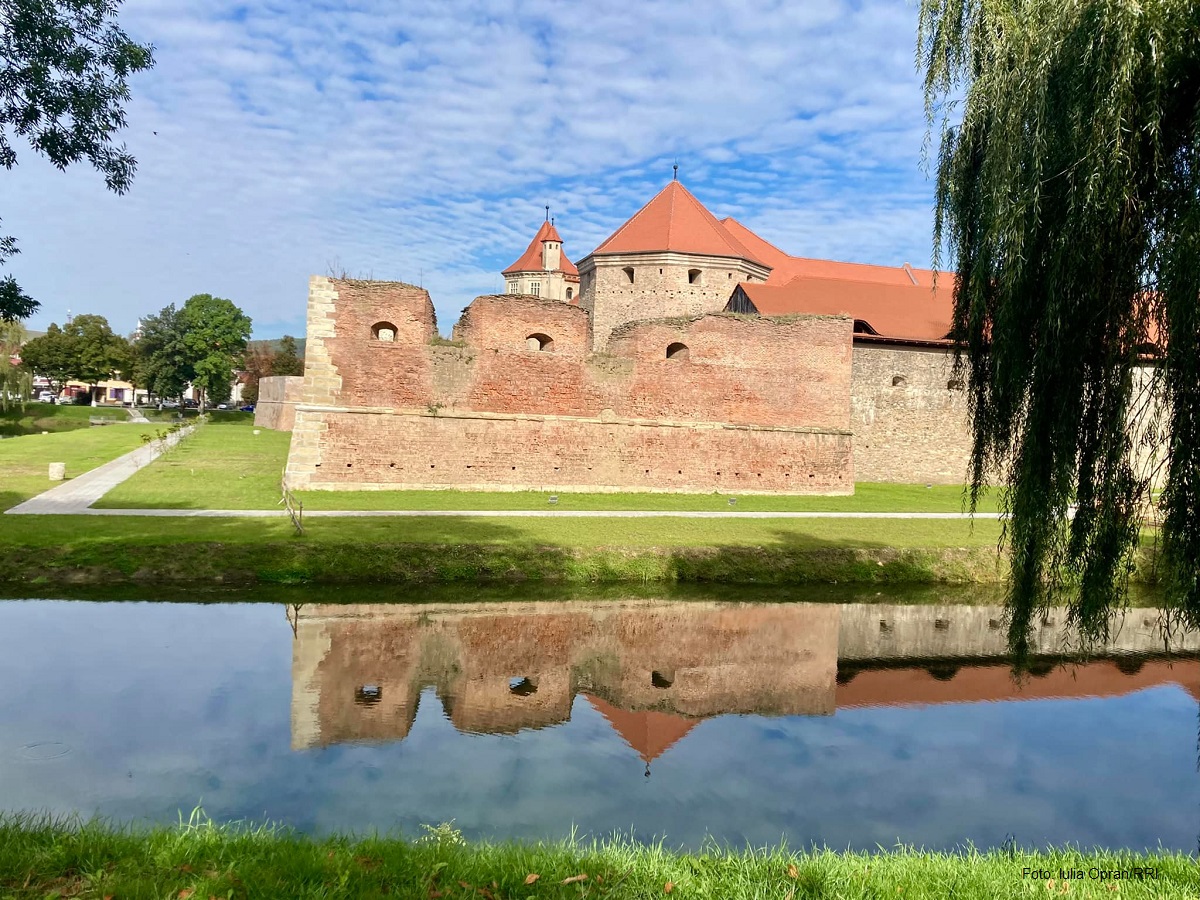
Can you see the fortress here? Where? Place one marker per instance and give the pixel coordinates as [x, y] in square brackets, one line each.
[684, 354]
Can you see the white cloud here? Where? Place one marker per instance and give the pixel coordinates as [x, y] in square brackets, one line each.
[420, 141]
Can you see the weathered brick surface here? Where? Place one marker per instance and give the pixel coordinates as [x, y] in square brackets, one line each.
[660, 289]
[756, 405]
[913, 431]
[277, 399]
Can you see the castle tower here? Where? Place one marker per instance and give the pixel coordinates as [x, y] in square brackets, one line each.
[672, 258]
[543, 269]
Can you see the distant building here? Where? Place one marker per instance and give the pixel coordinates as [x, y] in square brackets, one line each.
[543, 269]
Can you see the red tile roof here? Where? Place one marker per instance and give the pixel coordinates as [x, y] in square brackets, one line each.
[531, 259]
[893, 310]
[784, 267]
[674, 220]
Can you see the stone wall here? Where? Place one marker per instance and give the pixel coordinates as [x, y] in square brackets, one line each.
[909, 416]
[518, 401]
[277, 399]
[661, 288]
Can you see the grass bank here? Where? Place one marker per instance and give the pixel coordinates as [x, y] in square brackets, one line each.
[200, 860]
[34, 418]
[226, 465]
[84, 549]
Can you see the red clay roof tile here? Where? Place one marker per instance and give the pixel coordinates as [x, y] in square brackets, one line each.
[531, 259]
[674, 220]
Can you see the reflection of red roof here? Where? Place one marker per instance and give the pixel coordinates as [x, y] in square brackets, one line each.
[974, 683]
[674, 220]
[903, 311]
[531, 259]
[650, 733]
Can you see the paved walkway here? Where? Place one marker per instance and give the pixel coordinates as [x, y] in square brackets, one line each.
[75, 496]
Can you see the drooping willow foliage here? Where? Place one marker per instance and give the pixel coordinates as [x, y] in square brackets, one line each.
[1068, 202]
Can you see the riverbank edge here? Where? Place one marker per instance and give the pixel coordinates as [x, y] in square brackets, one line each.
[41, 857]
[281, 562]
[345, 563]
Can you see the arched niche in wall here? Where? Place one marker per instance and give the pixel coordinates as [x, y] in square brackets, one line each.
[628, 270]
[899, 381]
[694, 276]
[678, 351]
[384, 331]
[538, 341]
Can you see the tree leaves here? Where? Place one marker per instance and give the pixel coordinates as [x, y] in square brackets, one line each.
[1068, 196]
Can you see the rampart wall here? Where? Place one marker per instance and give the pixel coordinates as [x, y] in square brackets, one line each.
[518, 400]
[909, 416]
[277, 399]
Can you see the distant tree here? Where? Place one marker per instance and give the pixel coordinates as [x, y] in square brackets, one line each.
[161, 361]
[16, 384]
[64, 66]
[287, 360]
[85, 350]
[215, 337]
[258, 362]
[98, 353]
[50, 356]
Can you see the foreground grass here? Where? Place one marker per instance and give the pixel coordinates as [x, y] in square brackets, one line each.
[24, 460]
[226, 465]
[200, 860]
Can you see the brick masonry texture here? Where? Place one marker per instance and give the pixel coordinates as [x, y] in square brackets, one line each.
[277, 398]
[518, 400]
[909, 416]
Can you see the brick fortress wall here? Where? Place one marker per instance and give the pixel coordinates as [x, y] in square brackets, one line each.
[757, 405]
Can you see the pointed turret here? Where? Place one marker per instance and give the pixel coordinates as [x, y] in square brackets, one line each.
[544, 270]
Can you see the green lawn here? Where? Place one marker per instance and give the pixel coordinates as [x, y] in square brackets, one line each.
[227, 466]
[24, 460]
[201, 860]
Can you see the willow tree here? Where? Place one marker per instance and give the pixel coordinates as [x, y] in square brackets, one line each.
[1068, 202]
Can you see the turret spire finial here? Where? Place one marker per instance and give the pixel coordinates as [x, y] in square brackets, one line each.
[547, 212]
[675, 167]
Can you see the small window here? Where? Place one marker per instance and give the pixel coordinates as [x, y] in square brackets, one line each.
[899, 381]
[678, 351]
[539, 342]
[955, 384]
[570, 293]
[368, 694]
[693, 276]
[514, 287]
[628, 270]
[384, 331]
[535, 288]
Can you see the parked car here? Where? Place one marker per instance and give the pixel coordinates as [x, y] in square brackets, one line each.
[191, 404]
[249, 407]
[46, 397]
[170, 404]
[222, 406]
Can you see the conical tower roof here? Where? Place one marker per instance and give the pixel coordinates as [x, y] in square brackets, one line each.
[531, 259]
[674, 220]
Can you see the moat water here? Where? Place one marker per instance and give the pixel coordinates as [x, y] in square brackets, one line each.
[851, 723]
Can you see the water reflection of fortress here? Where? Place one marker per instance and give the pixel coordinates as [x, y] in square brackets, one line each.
[655, 670]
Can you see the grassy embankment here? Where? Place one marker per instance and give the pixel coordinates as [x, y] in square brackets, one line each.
[225, 465]
[34, 418]
[199, 860]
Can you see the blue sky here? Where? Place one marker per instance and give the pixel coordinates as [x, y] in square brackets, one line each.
[420, 141]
